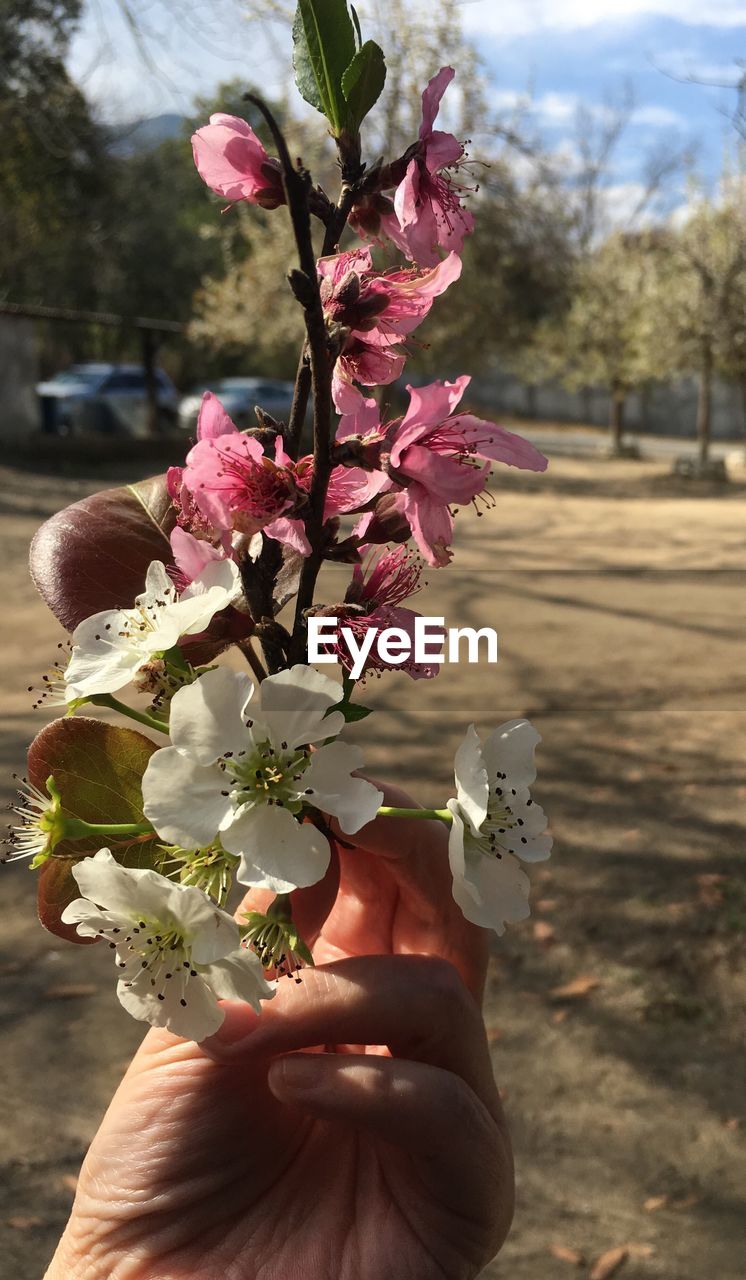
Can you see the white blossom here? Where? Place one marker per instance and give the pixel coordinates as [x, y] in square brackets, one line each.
[241, 767]
[176, 951]
[495, 823]
[109, 648]
[41, 826]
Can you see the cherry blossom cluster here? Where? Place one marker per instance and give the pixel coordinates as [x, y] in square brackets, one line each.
[250, 779]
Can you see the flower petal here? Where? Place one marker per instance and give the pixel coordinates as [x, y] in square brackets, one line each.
[207, 717]
[240, 976]
[90, 921]
[431, 97]
[353, 801]
[493, 441]
[428, 407]
[213, 420]
[184, 800]
[209, 931]
[103, 658]
[431, 523]
[112, 887]
[472, 782]
[509, 749]
[195, 1014]
[192, 555]
[294, 704]
[291, 532]
[490, 891]
[276, 851]
[447, 479]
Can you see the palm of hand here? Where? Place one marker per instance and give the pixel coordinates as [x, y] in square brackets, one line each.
[396, 1164]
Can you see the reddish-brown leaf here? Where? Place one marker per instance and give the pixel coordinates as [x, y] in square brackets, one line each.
[564, 1254]
[576, 988]
[609, 1263]
[98, 770]
[653, 1203]
[94, 554]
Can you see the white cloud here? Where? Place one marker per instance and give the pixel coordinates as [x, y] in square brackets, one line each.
[621, 206]
[557, 108]
[212, 43]
[657, 117]
[522, 17]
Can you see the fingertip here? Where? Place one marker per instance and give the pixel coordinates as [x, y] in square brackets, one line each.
[295, 1076]
[237, 1026]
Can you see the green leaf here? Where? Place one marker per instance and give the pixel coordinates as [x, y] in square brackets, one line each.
[350, 710]
[324, 46]
[362, 83]
[98, 771]
[353, 711]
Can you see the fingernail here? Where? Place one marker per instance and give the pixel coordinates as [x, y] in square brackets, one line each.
[295, 1074]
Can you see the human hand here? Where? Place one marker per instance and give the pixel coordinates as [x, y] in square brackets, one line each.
[379, 1153]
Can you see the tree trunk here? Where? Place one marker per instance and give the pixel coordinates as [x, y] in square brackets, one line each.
[616, 418]
[704, 405]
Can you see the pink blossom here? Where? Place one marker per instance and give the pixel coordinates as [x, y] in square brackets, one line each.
[230, 484]
[236, 486]
[232, 161]
[437, 458]
[428, 213]
[380, 309]
[192, 555]
[373, 600]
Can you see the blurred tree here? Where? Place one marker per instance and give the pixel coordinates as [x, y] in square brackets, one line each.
[515, 266]
[701, 296]
[517, 274]
[607, 337]
[52, 162]
[245, 312]
[730, 350]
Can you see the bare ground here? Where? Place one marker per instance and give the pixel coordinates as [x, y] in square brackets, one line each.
[619, 599]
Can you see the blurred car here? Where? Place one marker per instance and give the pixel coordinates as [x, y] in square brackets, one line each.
[238, 397]
[107, 399]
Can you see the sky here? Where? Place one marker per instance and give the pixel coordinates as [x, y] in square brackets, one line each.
[557, 52]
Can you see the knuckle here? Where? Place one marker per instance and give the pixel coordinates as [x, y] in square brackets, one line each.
[445, 993]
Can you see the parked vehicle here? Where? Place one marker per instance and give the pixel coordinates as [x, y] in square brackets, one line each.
[238, 397]
[106, 399]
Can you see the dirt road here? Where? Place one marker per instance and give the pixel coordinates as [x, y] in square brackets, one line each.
[614, 1013]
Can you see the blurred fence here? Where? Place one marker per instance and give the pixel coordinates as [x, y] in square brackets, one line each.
[19, 374]
[665, 409]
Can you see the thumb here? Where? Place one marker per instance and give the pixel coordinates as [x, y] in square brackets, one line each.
[430, 1113]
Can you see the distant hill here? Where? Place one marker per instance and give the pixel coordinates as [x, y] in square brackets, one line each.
[142, 135]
